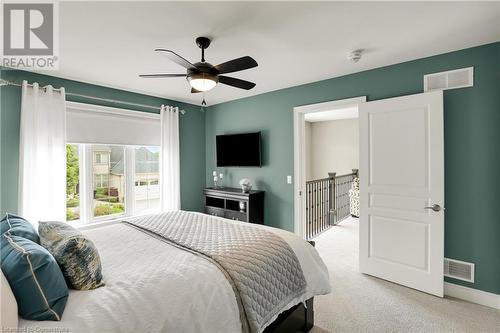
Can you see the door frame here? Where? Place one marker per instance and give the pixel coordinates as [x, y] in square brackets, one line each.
[299, 155]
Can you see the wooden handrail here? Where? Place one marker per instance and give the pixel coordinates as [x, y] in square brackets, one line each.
[317, 180]
[333, 175]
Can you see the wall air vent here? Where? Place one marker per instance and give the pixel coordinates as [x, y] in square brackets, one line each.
[460, 270]
[458, 78]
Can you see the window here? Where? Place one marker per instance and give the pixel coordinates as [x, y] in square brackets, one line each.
[101, 157]
[101, 180]
[109, 180]
[105, 193]
[147, 175]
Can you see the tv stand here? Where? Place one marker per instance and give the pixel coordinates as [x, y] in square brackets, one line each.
[232, 203]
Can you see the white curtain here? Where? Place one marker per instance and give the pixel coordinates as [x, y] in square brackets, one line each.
[42, 154]
[170, 159]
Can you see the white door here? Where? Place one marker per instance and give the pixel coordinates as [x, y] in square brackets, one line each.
[401, 177]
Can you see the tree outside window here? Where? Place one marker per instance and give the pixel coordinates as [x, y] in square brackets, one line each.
[72, 183]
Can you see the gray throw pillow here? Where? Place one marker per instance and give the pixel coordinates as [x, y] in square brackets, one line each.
[75, 253]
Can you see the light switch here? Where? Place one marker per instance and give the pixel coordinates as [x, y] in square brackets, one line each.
[288, 179]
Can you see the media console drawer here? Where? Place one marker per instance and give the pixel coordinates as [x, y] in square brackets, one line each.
[233, 204]
[238, 216]
[214, 211]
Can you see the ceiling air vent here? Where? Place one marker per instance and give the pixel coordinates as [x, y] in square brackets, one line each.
[459, 269]
[458, 78]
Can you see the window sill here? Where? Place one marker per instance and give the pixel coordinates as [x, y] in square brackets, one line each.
[102, 223]
[107, 221]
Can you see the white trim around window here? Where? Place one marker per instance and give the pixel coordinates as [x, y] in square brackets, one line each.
[88, 125]
[86, 181]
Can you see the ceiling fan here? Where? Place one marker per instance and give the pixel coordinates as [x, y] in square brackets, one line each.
[203, 76]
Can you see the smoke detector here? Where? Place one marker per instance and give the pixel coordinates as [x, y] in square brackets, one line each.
[355, 56]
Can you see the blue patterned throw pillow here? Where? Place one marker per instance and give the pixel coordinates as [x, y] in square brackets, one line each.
[34, 277]
[76, 254]
[18, 227]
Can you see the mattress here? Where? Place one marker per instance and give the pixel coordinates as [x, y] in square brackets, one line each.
[152, 286]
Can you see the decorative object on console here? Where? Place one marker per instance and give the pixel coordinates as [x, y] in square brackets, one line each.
[76, 254]
[246, 185]
[216, 179]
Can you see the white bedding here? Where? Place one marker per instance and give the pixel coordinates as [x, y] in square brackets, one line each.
[152, 286]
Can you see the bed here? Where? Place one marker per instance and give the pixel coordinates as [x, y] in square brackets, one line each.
[154, 285]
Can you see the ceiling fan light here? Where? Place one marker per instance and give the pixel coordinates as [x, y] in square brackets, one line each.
[203, 82]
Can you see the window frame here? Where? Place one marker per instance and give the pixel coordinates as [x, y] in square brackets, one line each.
[87, 178]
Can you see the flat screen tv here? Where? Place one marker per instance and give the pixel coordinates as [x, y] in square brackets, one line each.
[241, 150]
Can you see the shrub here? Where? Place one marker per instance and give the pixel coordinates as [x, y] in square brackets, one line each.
[118, 208]
[72, 202]
[101, 210]
[108, 209]
[101, 191]
[71, 215]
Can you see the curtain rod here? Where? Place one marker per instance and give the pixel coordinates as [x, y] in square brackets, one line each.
[15, 84]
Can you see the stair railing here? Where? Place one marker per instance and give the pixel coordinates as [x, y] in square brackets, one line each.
[327, 202]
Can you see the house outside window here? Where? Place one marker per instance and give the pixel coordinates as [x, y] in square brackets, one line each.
[109, 180]
[108, 193]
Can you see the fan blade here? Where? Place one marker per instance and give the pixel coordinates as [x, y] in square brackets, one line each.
[236, 65]
[231, 81]
[194, 91]
[161, 75]
[176, 58]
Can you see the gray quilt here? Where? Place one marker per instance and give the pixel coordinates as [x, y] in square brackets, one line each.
[261, 267]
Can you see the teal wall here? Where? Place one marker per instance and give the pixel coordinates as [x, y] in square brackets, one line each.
[472, 146]
[192, 134]
[472, 154]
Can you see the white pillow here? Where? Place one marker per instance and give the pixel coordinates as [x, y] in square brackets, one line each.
[8, 307]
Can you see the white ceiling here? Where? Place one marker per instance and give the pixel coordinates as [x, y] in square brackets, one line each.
[337, 114]
[109, 43]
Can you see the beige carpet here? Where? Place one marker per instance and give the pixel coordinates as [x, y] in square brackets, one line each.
[361, 303]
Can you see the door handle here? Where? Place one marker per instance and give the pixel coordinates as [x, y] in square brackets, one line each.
[435, 207]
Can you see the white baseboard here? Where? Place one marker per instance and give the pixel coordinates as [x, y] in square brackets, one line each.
[472, 295]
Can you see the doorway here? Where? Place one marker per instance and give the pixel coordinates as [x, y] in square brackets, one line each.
[332, 163]
[321, 195]
[401, 197]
